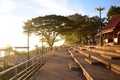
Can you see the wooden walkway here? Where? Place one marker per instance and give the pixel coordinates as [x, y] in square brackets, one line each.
[57, 69]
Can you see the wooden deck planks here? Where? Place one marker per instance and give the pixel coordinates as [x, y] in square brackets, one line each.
[57, 69]
[96, 72]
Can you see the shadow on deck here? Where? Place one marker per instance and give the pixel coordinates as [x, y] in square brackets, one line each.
[57, 68]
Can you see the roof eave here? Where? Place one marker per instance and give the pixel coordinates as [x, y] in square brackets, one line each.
[108, 30]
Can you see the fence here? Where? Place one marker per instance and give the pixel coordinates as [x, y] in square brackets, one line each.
[24, 70]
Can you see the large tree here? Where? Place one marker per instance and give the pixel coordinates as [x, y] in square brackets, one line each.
[77, 34]
[84, 30]
[114, 10]
[49, 27]
[76, 29]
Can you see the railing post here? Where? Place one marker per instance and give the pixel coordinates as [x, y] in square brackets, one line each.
[46, 50]
[35, 63]
[16, 71]
[4, 61]
[26, 66]
[32, 61]
[38, 62]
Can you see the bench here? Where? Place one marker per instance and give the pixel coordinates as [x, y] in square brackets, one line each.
[113, 65]
[92, 61]
[102, 51]
[115, 68]
[108, 56]
[73, 66]
[94, 72]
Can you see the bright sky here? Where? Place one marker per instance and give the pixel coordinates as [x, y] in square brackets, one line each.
[14, 12]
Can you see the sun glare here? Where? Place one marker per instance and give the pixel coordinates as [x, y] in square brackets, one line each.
[59, 43]
[2, 53]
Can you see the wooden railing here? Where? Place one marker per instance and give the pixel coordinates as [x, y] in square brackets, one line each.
[24, 70]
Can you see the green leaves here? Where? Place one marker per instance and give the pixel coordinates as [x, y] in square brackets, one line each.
[49, 26]
[75, 28]
[114, 10]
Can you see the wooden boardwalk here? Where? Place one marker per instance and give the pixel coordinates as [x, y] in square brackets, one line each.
[57, 69]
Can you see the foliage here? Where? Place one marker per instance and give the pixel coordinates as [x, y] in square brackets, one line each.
[76, 28]
[48, 27]
[9, 49]
[114, 10]
[28, 27]
[84, 29]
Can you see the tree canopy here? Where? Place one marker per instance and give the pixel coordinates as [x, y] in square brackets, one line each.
[84, 30]
[49, 27]
[76, 29]
[114, 10]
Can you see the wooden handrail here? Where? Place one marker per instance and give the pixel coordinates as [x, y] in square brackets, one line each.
[31, 66]
[24, 70]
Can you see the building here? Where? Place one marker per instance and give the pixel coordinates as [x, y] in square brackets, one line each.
[111, 32]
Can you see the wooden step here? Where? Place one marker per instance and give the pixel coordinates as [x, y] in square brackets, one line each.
[113, 49]
[92, 61]
[101, 51]
[118, 51]
[84, 53]
[110, 56]
[113, 65]
[94, 72]
[81, 48]
[76, 50]
[68, 53]
[73, 66]
[115, 68]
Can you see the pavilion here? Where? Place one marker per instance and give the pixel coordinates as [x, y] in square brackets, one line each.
[111, 32]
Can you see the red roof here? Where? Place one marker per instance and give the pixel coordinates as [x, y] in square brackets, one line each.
[111, 24]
